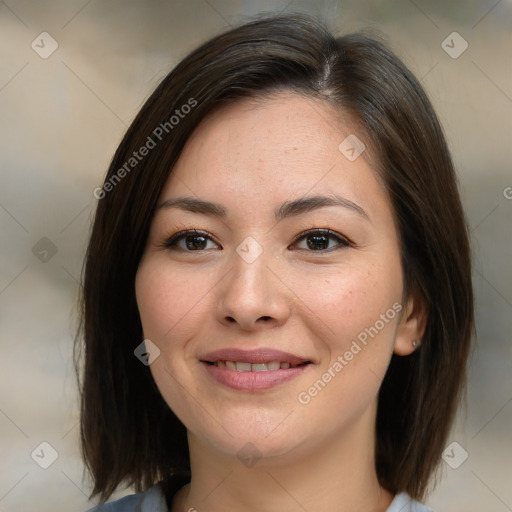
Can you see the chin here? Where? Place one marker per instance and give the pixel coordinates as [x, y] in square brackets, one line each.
[256, 441]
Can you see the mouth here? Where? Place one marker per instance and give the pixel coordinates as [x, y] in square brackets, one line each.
[245, 366]
[253, 370]
[258, 357]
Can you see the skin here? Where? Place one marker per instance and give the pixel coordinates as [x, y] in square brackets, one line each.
[251, 157]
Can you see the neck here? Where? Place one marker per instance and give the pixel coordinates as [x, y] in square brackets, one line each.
[335, 474]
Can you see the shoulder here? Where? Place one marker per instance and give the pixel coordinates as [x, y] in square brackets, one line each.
[152, 500]
[403, 503]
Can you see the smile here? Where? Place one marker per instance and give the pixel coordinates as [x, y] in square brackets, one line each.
[253, 377]
[253, 370]
[242, 366]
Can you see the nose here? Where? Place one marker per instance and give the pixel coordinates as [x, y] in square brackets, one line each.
[252, 296]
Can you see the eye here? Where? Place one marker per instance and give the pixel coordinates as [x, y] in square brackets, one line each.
[318, 240]
[314, 240]
[190, 240]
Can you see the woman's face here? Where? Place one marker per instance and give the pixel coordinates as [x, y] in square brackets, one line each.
[262, 273]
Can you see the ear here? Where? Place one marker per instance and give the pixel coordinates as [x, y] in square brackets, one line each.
[412, 326]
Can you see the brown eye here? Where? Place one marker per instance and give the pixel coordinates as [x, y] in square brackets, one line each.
[190, 241]
[319, 240]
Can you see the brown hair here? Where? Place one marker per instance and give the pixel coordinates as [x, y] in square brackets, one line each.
[128, 432]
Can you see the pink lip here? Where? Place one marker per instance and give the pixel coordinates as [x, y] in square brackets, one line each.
[261, 355]
[250, 380]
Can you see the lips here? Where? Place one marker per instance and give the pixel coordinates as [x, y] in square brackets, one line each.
[253, 370]
[254, 357]
[245, 366]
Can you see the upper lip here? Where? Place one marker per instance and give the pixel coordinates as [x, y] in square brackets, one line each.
[260, 355]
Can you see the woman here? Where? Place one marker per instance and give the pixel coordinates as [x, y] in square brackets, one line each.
[277, 301]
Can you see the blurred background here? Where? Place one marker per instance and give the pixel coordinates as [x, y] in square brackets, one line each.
[74, 73]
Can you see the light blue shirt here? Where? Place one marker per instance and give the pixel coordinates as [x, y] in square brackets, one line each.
[153, 500]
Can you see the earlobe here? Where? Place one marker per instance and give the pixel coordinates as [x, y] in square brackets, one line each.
[412, 326]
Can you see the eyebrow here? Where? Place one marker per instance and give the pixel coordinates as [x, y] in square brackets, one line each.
[286, 210]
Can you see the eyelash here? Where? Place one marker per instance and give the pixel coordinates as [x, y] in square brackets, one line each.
[343, 242]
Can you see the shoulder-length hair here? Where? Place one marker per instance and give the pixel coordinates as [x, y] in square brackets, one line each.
[128, 433]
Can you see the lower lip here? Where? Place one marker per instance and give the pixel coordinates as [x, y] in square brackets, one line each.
[252, 381]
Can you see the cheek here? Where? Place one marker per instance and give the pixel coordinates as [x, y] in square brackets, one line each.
[346, 302]
[356, 315]
[168, 300]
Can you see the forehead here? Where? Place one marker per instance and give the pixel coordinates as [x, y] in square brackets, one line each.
[269, 149]
[284, 129]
